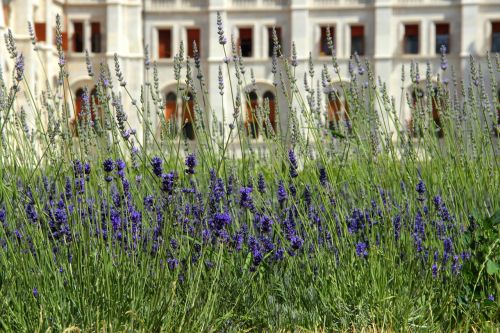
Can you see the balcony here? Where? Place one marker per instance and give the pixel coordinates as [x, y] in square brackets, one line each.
[335, 3]
[164, 5]
[427, 2]
[262, 4]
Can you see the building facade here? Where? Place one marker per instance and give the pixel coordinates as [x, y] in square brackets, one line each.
[389, 33]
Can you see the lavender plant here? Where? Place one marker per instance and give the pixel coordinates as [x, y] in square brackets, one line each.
[328, 224]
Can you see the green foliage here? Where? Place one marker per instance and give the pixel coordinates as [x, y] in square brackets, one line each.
[371, 160]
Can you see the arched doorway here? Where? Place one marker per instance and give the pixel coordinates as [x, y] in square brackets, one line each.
[188, 116]
[437, 106]
[170, 106]
[338, 108]
[271, 100]
[93, 103]
[251, 122]
[179, 112]
[419, 104]
[257, 105]
[416, 103]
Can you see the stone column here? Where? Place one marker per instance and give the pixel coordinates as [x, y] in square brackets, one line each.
[471, 40]
[385, 44]
[214, 57]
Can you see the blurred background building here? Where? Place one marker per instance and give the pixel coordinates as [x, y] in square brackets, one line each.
[389, 33]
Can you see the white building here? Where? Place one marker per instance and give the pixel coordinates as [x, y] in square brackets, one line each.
[389, 33]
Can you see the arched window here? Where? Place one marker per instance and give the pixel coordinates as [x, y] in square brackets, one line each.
[93, 103]
[170, 106]
[417, 102]
[437, 105]
[251, 121]
[78, 102]
[188, 117]
[268, 95]
[338, 109]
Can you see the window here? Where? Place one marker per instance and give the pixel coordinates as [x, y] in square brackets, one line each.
[417, 104]
[96, 37]
[193, 35]
[93, 105]
[188, 117]
[40, 31]
[164, 43]
[251, 121]
[269, 96]
[337, 110]
[270, 41]
[170, 106]
[437, 104]
[246, 41]
[93, 102]
[411, 40]
[324, 49]
[77, 37]
[6, 13]
[495, 37]
[358, 39]
[442, 37]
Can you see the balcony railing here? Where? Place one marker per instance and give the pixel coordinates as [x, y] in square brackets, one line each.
[174, 4]
[259, 3]
[328, 3]
[420, 2]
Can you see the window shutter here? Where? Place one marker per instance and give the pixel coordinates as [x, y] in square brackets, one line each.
[411, 30]
[193, 35]
[495, 27]
[40, 31]
[357, 31]
[442, 29]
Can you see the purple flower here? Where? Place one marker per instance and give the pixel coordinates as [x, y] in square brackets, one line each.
[246, 198]
[362, 250]
[491, 297]
[172, 263]
[396, 222]
[220, 30]
[266, 224]
[279, 254]
[120, 165]
[19, 65]
[261, 184]
[77, 168]
[167, 181]
[80, 185]
[323, 178]
[307, 196]
[191, 163]
[87, 168]
[456, 267]
[282, 195]
[156, 163]
[421, 189]
[293, 163]
[108, 165]
[434, 270]
[296, 242]
[221, 220]
[35, 292]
